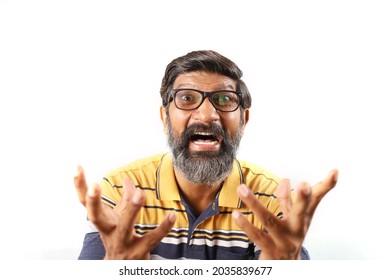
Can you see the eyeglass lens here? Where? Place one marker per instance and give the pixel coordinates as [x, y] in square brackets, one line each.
[188, 99]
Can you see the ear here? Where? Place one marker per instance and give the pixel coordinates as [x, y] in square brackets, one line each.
[245, 119]
[163, 117]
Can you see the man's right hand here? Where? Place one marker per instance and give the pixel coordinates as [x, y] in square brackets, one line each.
[116, 225]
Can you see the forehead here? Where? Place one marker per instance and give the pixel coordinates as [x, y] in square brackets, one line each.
[204, 81]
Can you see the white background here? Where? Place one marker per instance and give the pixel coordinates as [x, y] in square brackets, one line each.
[79, 84]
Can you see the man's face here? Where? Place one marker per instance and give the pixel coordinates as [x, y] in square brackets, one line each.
[204, 141]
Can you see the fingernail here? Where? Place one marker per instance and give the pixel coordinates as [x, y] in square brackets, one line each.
[336, 175]
[172, 217]
[126, 182]
[92, 191]
[236, 215]
[243, 190]
[137, 197]
[306, 189]
[77, 173]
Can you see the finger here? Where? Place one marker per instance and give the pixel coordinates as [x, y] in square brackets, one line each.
[154, 237]
[97, 211]
[300, 216]
[80, 184]
[283, 194]
[269, 221]
[129, 215]
[257, 236]
[322, 188]
[128, 192]
[128, 189]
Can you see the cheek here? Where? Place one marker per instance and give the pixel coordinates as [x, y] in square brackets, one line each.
[179, 119]
[231, 123]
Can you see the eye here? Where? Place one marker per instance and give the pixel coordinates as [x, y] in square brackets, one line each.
[188, 99]
[223, 98]
[187, 96]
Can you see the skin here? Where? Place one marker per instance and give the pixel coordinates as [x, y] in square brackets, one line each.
[282, 239]
[116, 225]
[200, 196]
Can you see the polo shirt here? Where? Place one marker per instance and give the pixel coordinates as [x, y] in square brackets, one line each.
[211, 235]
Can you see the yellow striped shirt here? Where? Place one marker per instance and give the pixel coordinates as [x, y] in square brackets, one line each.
[211, 235]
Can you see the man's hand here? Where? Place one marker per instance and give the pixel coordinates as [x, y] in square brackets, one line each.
[116, 226]
[283, 238]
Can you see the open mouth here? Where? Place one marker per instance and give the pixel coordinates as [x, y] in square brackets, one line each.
[205, 138]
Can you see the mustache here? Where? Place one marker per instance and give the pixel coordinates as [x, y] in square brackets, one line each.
[213, 128]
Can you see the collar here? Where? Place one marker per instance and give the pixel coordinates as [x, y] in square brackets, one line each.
[167, 188]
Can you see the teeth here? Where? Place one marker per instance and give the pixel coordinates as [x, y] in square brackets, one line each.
[206, 143]
[209, 138]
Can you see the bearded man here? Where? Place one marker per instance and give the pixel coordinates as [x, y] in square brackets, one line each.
[199, 201]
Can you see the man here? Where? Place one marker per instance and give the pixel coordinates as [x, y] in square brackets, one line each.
[199, 201]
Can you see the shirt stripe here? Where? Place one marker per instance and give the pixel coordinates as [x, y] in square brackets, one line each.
[212, 235]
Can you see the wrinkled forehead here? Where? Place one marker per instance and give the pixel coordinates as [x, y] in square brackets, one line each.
[206, 81]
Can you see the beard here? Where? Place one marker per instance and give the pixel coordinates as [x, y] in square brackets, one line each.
[207, 167]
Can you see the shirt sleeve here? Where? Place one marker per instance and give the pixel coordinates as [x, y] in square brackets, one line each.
[93, 248]
[304, 254]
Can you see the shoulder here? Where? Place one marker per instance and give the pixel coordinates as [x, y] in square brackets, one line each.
[134, 169]
[251, 169]
[257, 176]
[263, 184]
[142, 172]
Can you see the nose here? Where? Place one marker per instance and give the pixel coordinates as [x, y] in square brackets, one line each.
[206, 113]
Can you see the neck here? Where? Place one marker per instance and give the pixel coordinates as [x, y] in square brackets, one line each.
[198, 196]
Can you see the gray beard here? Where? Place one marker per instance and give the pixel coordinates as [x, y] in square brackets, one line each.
[208, 168]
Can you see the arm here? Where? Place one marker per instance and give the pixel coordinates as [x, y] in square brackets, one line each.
[116, 226]
[283, 238]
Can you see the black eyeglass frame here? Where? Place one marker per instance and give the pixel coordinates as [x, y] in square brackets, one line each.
[204, 95]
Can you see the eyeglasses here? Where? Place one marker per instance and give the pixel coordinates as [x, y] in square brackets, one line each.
[191, 99]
